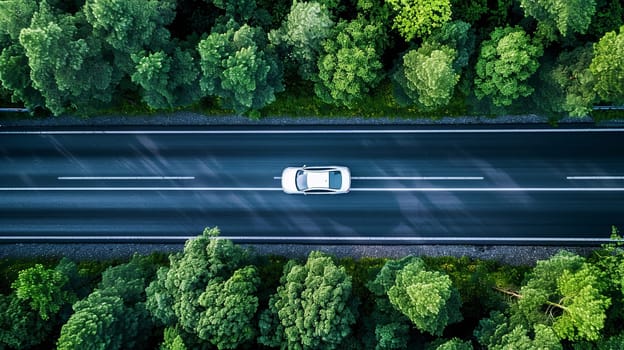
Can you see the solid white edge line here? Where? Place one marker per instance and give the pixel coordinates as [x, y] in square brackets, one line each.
[595, 177]
[126, 178]
[331, 131]
[314, 238]
[380, 189]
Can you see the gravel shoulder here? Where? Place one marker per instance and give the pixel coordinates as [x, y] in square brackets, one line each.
[515, 255]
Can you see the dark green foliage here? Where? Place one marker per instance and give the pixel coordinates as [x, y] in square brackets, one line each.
[468, 11]
[114, 315]
[565, 16]
[459, 36]
[609, 16]
[168, 81]
[66, 64]
[568, 84]
[350, 63]
[239, 68]
[313, 307]
[130, 26]
[15, 77]
[506, 61]
[607, 66]
[496, 333]
[21, 327]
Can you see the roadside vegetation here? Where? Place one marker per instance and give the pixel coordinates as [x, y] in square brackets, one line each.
[424, 58]
[217, 295]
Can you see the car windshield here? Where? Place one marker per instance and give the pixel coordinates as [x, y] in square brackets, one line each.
[335, 180]
[301, 180]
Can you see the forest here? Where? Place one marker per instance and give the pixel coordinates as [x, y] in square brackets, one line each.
[329, 57]
[215, 294]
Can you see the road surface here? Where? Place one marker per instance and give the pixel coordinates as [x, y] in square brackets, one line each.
[410, 186]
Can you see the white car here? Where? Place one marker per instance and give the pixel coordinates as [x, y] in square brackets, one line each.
[316, 180]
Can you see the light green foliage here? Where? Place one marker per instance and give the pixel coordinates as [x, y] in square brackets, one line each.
[313, 307]
[43, 290]
[391, 326]
[427, 298]
[496, 333]
[449, 344]
[505, 63]
[66, 65]
[240, 68]
[567, 16]
[427, 77]
[568, 85]
[207, 291]
[350, 63]
[417, 18]
[168, 81]
[229, 309]
[608, 66]
[301, 35]
[172, 340]
[564, 292]
[96, 324]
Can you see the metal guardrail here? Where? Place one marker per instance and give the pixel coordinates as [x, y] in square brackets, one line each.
[20, 110]
[607, 108]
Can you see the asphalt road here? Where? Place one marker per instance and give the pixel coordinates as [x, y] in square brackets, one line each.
[545, 186]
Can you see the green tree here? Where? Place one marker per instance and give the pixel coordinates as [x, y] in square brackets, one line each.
[172, 340]
[16, 15]
[21, 327]
[608, 66]
[506, 61]
[15, 77]
[230, 307]
[43, 289]
[427, 298]
[208, 291]
[239, 68]
[114, 315]
[457, 35]
[496, 333]
[568, 84]
[566, 16]
[564, 293]
[66, 64]
[609, 15]
[130, 26]
[417, 18]
[313, 307]
[167, 81]
[301, 36]
[350, 63]
[390, 325]
[426, 77]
